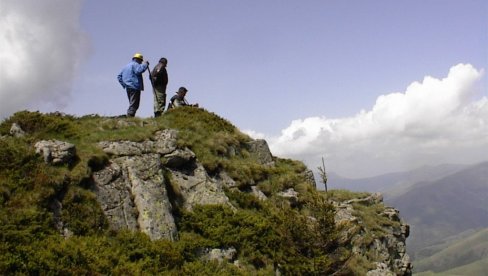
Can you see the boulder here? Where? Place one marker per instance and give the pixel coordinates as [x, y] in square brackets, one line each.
[225, 180]
[195, 187]
[16, 131]
[260, 150]
[291, 195]
[56, 152]
[258, 193]
[220, 255]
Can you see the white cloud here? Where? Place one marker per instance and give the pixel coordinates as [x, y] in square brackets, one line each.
[432, 121]
[254, 134]
[41, 45]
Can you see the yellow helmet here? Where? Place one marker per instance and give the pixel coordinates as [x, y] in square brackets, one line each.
[138, 55]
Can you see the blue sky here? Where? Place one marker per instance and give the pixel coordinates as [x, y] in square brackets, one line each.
[279, 70]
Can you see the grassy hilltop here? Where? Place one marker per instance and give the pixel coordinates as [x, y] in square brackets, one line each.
[268, 235]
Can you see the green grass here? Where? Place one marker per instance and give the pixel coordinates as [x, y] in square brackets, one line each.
[343, 195]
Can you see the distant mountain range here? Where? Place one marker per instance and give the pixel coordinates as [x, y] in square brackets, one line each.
[446, 207]
[393, 183]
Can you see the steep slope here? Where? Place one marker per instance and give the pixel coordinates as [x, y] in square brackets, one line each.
[184, 194]
[445, 208]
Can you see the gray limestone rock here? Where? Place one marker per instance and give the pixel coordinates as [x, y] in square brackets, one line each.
[291, 195]
[369, 200]
[112, 188]
[125, 148]
[260, 150]
[197, 188]
[220, 255]
[16, 131]
[56, 152]
[388, 249]
[179, 158]
[381, 270]
[225, 180]
[133, 195]
[309, 177]
[391, 213]
[164, 143]
[258, 193]
[150, 197]
[344, 213]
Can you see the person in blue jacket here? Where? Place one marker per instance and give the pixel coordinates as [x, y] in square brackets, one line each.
[131, 80]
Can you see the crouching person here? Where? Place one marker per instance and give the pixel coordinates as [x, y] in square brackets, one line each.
[179, 99]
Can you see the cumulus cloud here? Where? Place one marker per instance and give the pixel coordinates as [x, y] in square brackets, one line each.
[41, 45]
[433, 121]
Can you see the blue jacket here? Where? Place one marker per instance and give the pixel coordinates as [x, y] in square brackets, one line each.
[131, 76]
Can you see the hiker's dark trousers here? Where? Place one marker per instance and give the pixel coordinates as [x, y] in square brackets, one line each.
[159, 98]
[134, 99]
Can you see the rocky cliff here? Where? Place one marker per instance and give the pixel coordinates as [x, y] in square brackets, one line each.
[159, 183]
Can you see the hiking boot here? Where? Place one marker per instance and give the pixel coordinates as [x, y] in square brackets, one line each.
[157, 114]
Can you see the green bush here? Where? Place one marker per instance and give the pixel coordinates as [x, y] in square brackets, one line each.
[41, 125]
[278, 237]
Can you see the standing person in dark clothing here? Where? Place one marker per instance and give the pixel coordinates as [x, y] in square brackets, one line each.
[131, 80]
[159, 77]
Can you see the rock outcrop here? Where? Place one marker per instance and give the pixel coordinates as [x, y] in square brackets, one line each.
[133, 188]
[385, 246]
[260, 150]
[56, 152]
[133, 195]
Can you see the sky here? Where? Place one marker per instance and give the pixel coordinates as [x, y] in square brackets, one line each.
[372, 86]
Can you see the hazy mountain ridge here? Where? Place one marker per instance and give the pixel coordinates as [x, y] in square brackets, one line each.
[392, 184]
[446, 207]
[463, 252]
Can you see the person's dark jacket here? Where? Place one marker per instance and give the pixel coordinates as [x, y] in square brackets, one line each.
[177, 101]
[159, 75]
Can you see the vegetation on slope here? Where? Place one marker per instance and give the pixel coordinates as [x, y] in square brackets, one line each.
[267, 235]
